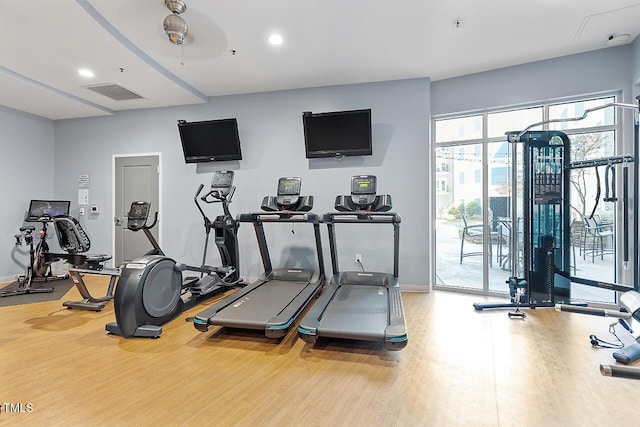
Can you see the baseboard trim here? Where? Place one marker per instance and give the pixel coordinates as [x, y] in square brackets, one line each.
[415, 288]
[8, 279]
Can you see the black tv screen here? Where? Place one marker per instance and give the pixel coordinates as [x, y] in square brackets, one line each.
[337, 134]
[210, 141]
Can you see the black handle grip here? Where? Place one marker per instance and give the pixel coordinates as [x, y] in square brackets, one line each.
[620, 371]
[199, 190]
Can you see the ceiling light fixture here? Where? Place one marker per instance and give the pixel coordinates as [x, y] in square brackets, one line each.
[85, 72]
[616, 39]
[174, 26]
[275, 39]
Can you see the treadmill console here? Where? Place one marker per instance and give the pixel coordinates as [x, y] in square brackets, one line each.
[222, 182]
[288, 191]
[288, 197]
[363, 196]
[137, 216]
[363, 190]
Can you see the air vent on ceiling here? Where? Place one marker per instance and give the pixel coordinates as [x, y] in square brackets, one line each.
[114, 91]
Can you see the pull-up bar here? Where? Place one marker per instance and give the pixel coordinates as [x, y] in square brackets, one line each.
[516, 138]
[604, 161]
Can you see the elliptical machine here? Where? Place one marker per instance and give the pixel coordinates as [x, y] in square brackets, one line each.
[152, 291]
[225, 226]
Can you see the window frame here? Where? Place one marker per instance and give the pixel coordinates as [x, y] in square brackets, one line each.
[616, 128]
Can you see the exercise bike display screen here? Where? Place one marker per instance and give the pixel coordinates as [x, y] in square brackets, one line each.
[139, 210]
[363, 185]
[289, 186]
[42, 209]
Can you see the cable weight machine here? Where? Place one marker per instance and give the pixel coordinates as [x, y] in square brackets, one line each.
[546, 230]
[546, 234]
[546, 225]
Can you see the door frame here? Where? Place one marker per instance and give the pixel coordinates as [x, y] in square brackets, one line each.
[113, 193]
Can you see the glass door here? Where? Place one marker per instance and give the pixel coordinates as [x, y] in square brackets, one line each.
[505, 227]
[461, 242]
[478, 227]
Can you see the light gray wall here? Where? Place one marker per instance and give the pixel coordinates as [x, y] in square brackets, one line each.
[592, 72]
[270, 126]
[27, 168]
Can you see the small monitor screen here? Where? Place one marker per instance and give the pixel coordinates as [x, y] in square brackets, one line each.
[210, 141]
[289, 186]
[139, 210]
[222, 179]
[363, 185]
[39, 209]
[336, 134]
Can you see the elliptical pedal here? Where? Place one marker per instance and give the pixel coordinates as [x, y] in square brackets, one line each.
[188, 282]
[206, 285]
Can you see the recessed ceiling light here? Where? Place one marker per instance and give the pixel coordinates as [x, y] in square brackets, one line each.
[275, 39]
[85, 72]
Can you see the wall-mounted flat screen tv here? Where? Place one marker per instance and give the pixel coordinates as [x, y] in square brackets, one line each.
[337, 134]
[210, 141]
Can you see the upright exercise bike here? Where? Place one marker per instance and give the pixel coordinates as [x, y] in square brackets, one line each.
[25, 281]
[40, 260]
[152, 291]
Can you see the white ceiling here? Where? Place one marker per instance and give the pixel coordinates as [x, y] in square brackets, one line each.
[326, 42]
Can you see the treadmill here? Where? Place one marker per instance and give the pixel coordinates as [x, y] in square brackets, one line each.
[279, 296]
[359, 305]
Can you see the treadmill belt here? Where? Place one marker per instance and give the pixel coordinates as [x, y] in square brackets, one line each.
[259, 306]
[356, 312]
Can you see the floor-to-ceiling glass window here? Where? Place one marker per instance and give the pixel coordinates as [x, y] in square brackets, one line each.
[505, 170]
[461, 246]
[477, 175]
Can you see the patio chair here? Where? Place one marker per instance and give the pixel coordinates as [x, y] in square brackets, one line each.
[504, 242]
[597, 232]
[472, 231]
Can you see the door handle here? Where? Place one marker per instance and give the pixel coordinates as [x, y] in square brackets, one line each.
[117, 221]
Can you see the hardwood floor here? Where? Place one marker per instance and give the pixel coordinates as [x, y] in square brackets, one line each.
[460, 368]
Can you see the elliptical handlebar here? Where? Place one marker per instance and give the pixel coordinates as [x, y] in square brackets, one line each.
[195, 199]
[153, 224]
[229, 196]
[199, 190]
[218, 196]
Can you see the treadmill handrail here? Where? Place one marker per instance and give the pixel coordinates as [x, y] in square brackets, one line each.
[279, 216]
[362, 216]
